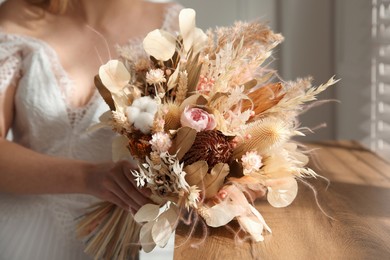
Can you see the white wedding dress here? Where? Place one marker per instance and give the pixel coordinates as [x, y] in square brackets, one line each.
[41, 227]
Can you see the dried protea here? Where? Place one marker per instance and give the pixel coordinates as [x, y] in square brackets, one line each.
[211, 146]
[262, 136]
[139, 145]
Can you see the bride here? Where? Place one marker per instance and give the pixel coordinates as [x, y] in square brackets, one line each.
[53, 168]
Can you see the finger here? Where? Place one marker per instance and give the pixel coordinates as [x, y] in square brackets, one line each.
[117, 201]
[123, 182]
[129, 165]
[142, 194]
[126, 181]
[127, 200]
[132, 193]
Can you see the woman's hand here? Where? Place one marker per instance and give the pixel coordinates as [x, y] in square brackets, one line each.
[114, 182]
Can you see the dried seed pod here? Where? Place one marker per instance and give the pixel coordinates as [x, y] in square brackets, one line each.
[263, 135]
[172, 117]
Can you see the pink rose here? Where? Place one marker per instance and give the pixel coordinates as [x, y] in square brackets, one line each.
[197, 119]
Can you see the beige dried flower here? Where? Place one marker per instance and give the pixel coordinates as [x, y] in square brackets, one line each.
[155, 76]
[172, 116]
[262, 136]
[182, 87]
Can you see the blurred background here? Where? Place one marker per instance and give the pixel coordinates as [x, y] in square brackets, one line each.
[348, 38]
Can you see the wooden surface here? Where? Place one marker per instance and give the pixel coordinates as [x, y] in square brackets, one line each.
[358, 200]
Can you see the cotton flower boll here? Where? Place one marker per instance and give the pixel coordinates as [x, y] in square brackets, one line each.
[132, 114]
[144, 122]
[141, 113]
[197, 119]
[146, 104]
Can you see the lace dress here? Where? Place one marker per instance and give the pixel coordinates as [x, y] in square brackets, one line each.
[40, 227]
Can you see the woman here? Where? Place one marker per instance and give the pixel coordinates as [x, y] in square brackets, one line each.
[53, 168]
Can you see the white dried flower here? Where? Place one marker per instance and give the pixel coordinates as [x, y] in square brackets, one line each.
[177, 168]
[251, 162]
[160, 142]
[140, 177]
[155, 76]
[119, 117]
[141, 113]
[193, 197]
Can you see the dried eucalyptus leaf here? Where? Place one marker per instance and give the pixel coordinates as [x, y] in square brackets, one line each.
[236, 169]
[214, 181]
[160, 44]
[172, 81]
[221, 214]
[104, 92]
[119, 148]
[282, 192]
[218, 96]
[183, 141]
[145, 237]
[114, 76]
[146, 213]
[194, 100]
[201, 101]
[187, 26]
[164, 227]
[193, 68]
[200, 40]
[196, 172]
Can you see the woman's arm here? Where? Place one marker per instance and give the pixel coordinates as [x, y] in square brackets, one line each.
[23, 171]
[27, 172]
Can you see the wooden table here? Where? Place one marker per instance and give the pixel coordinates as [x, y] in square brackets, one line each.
[358, 200]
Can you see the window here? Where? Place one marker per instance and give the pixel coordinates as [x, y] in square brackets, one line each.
[380, 76]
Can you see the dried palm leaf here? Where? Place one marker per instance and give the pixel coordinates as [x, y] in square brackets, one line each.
[264, 98]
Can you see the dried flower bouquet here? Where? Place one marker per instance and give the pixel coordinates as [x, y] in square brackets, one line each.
[209, 128]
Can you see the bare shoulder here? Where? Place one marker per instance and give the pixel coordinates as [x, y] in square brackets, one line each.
[16, 16]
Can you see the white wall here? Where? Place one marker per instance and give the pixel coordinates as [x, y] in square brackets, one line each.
[211, 13]
[353, 64]
[308, 50]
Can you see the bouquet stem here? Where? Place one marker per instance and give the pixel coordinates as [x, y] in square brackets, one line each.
[110, 232]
